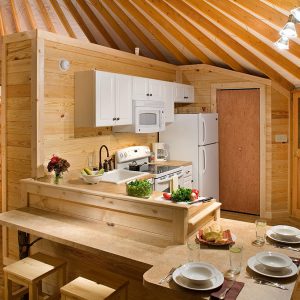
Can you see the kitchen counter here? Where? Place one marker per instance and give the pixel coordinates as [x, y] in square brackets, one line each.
[175, 163]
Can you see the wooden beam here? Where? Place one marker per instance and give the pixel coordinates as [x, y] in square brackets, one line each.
[63, 18]
[87, 10]
[46, 16]
[141, 19]
[2, 27]
[245, 35]
[267, 12]
[114, 25]
[15, 15]
[173, 31]
[80, 21]
[30, 14]
[285, 4]
[197, 34]
[134, 29]
[254, 23]
[204, 22]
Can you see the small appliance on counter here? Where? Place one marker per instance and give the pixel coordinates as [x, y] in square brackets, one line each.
[160, 151]
[136, 158]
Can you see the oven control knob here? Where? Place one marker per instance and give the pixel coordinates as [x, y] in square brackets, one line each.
[125, 154]
[121, 155]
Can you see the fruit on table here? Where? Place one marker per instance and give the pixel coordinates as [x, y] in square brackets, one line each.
[196, 192]
[193, 196]
[167, 196]
[87, 171]
[213, 233]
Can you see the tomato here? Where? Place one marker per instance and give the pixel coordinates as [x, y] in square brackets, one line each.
[196, 192]
[193, 196]
[167, 196]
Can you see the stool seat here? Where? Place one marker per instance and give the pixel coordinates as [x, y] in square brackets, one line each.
[85, 289]
[35, 267]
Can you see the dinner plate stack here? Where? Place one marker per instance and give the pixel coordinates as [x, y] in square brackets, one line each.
[199, 276]
[272, 264]
[284, 234]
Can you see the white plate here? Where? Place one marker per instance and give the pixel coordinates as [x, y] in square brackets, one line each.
[286, 232]
[197, 272]
[273, 261]
[259, 268]
[209, 285]
[272, 235]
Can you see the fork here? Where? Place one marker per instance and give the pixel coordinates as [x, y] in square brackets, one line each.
[223, 295]
[287, 247]
[166, 277]
[270, 283]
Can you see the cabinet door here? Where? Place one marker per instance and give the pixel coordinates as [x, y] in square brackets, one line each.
[123, 100]
[179, 93]
[140, 90]
[188, 94]
[156, 89]
[105, 99]
[168, 97]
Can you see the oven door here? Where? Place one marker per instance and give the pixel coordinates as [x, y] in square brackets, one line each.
[163, 184]
[148, 120]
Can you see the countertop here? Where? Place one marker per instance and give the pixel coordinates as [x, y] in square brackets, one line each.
[175, 163]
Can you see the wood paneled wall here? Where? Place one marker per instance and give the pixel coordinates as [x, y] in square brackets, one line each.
[277, 122]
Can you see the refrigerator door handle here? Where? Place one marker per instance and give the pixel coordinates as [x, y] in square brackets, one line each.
[204, 160]
[204, 131]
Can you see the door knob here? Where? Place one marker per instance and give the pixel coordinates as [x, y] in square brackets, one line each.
[240, 148]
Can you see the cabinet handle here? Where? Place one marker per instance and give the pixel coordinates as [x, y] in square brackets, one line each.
[114, 119]
[148, 94]
[118, 119]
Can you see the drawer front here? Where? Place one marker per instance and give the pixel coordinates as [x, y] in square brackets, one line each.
[188, 171]
[188, 182]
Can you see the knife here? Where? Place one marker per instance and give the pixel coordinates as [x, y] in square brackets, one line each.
[200, 200]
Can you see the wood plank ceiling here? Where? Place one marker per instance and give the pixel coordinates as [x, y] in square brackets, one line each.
[234, 34]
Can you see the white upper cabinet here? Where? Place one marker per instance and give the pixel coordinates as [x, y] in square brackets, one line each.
[102, 99]
[168, 97]
[123, 99]
[147, 89]
[184, 93]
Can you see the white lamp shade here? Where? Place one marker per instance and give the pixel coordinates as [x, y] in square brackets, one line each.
[296, 13]
[289, 30]
[282, 43]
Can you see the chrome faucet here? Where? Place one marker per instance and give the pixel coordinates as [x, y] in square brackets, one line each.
[105, 165]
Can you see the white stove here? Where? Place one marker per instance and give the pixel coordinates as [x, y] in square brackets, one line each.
[136, 158]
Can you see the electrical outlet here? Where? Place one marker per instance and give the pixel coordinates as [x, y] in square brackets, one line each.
[281, 138]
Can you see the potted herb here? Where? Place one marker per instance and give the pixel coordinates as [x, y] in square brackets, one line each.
[139, 188]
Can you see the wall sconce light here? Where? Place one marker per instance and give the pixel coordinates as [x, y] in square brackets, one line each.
[289, 30]
[64, 65]
[296, 13]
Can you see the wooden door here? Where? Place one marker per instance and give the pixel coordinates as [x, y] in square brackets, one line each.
[239, 135]
[296, 156]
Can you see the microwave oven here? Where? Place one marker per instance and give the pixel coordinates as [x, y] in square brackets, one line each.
[148, 117]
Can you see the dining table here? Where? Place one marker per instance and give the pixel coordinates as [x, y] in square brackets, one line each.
[218, 256]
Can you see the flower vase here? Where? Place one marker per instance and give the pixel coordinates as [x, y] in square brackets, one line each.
[57, 177]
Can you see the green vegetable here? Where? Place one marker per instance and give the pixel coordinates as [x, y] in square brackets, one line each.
[139, 188]
[182, 195]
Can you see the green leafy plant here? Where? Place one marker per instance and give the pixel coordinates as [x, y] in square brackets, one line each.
[139, 188]
[182, 195]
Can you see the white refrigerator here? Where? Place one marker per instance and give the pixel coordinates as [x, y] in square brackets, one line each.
[194, 137]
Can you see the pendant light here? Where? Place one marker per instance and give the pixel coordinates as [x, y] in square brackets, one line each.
[296, 13]
[282, 43]
[289, 30]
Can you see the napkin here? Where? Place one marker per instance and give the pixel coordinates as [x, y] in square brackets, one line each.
[232, 293]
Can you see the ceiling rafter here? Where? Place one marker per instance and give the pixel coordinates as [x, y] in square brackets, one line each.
[114, 25]
[197, 34]
[2, 27]
[46, 16]
[80, 21]
[246, 36]
[254, 23]
[93, 18]
[285, 4]
[30, 14]
[230, 42]
[267, 12]
[134, 29]
[173, 31]
[153, 30]
[63, 18]
[15, 15]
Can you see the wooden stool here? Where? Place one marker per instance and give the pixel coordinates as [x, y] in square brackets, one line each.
[29, 272]
[84, 289]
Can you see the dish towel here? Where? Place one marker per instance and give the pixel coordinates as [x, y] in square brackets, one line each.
[174, 183]
[232, 293]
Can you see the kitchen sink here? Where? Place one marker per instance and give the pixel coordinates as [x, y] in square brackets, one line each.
[121, 176]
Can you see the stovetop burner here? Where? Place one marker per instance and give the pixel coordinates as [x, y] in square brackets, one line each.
[156, 169]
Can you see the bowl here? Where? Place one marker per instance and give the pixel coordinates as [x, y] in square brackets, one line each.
[273, 261]
[197, 272]
[92, 179]
[285, 231]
